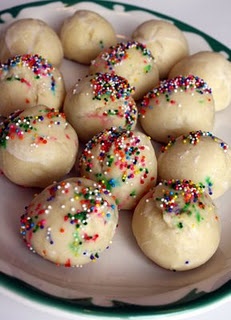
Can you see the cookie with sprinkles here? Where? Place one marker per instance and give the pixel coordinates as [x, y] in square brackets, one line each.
[27, 80]
[37, 146]
[84, 34]
[199, 156]
[166, 42]
[177, 106]
[123, 161]
[31, 36]
[100, 101]
[177, 225]
[70, 223]
[214, 68]
[131, 60]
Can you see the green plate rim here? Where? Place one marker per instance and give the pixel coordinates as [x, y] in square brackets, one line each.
[119, 309]
[194, 300]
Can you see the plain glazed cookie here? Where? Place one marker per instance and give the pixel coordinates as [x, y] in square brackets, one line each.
[28, 80]
[85, 34]
[176, 225]
[166, 42]
[31, 36]
[177, 106]
[200, 157]
[98, 102]
[131, 60]
[71, 222]
[214, 68]
[123, 161]
[37, 147]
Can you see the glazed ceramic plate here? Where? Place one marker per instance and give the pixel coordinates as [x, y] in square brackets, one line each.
[123, 282]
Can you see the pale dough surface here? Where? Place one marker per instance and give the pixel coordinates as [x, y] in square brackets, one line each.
[131, 60]
[200, 157]
[177, 106]
[98, 102]
[70, 223]
[31, 36]
[177, 225]
[37, 147]
[166, 42]
[213, 68]
[124, 161]
[84, 34]
[28, 80]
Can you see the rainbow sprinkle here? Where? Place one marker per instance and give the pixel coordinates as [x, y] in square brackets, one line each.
[114, 55]
[178, 84]
[182, 197]
[128, 111]
[108, 86]
[174, 191]
[193, 138]
[116, 149]
[17, 125]
[80, 204]
[38, 65]
[111, 88]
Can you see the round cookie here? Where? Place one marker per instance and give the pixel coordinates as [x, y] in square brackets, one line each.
[98, 102]
[214, 68]
[31, 36]
[131, 60]
[200, 157]
[71, 222]
[177, 106]
[85, 34]
[123, 161]
[176, 225]
[28, 80]
[166, 42]
[37, 147]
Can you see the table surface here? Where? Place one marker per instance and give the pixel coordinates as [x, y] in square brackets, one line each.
[212, 17]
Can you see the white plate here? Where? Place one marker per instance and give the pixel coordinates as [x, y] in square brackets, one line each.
[122, 283]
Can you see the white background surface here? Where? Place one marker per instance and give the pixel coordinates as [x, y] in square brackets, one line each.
[212, 17]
